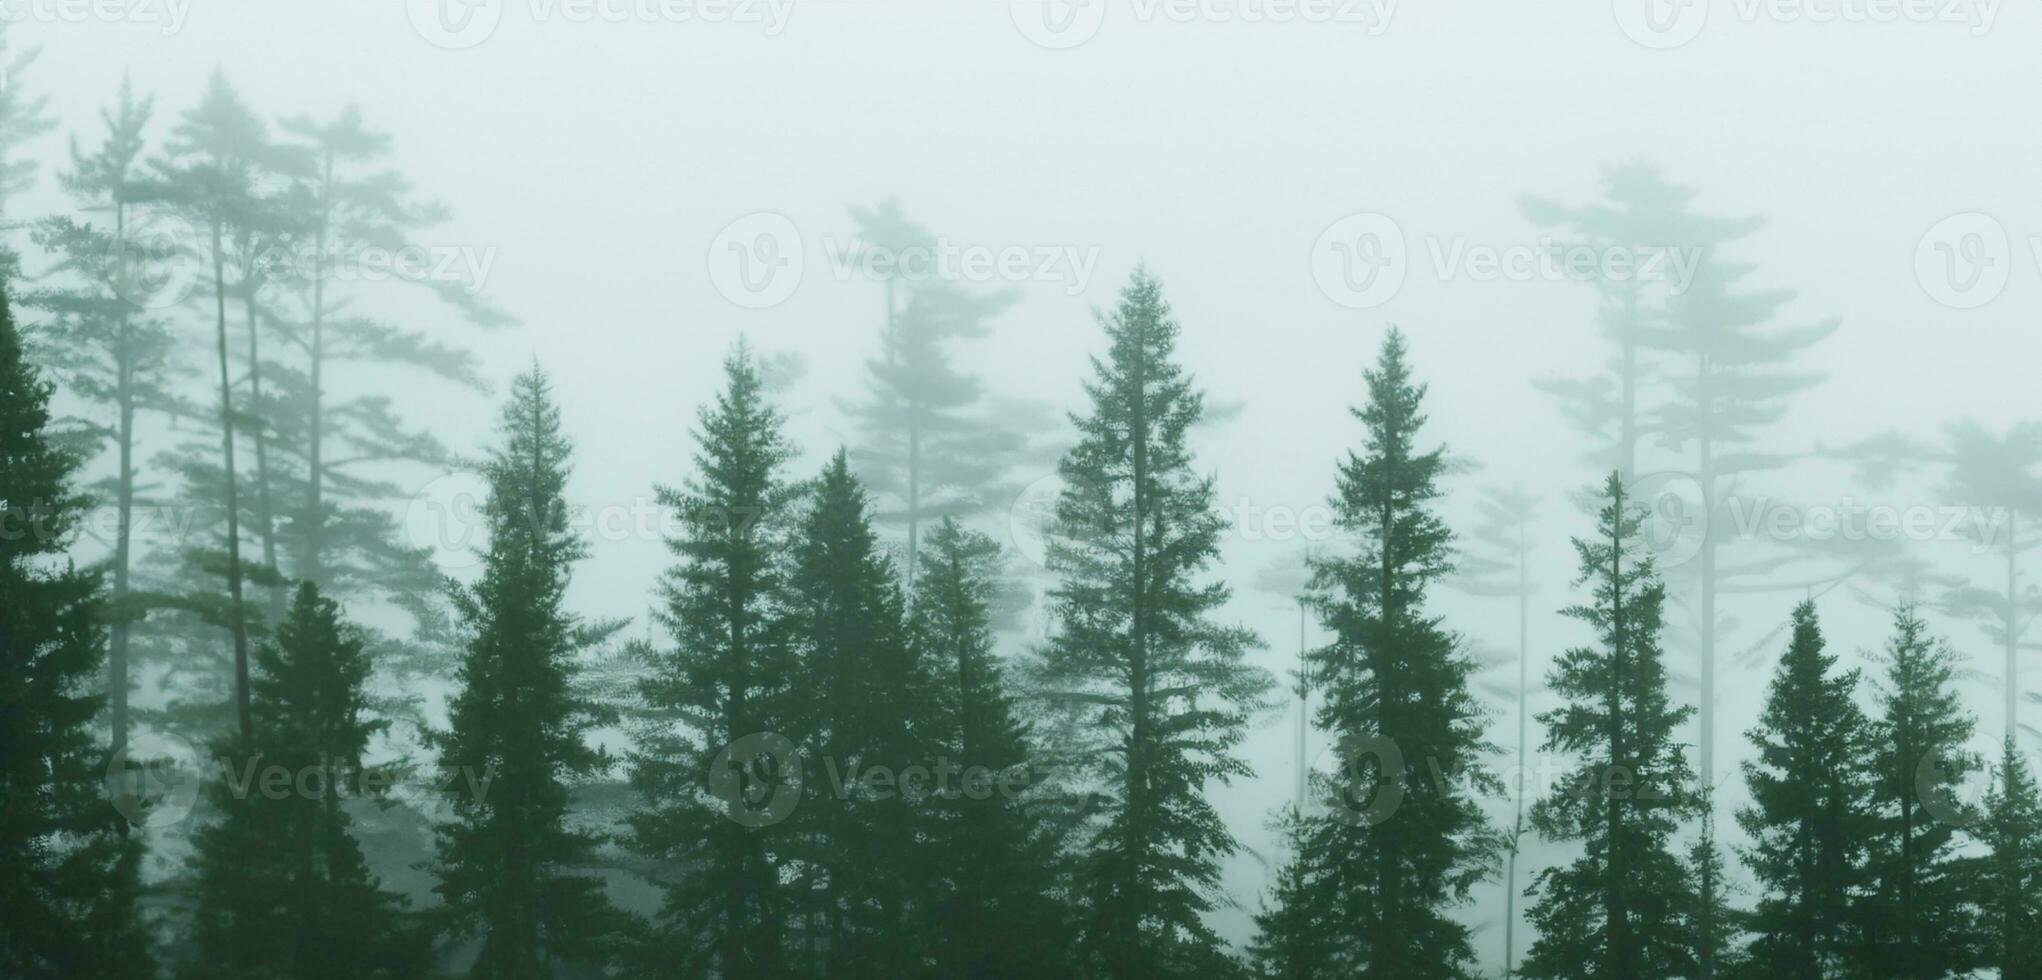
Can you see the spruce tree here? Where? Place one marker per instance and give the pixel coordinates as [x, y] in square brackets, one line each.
[283, 887]
[859, 717]
[1919, 919]
[68, 865]
[1394, 676]
[1615, 912]
[997, 910]
[1165, 691]
[1293, 939]
[718, 692]
[2010, 876]
[1810, 815]
[517, 740]
[1715, 927]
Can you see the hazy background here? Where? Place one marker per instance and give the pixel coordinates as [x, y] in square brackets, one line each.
[595, 163]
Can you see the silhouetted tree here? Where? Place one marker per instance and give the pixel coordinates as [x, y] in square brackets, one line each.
[1810, 816]
[1165, 691]
[68, 867]
[283, 888]
[2010, 876]
[727, 678]
[1396, 685]
[1919, 917]
[1616, 911]
[517, 737]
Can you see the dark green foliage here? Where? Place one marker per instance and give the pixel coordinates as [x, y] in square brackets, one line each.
[283, 887]
[863, 706]
[726, 677]
[1715, 927]
[1163, 691]
[517, 741]
[997, 908]
[1294, 938]
[1918, 919]
[67, 862]
[2010, 876]
[1393, 675]
[1810, 816]
[1615, 913]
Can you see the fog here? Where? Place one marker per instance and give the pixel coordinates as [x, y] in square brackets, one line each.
[641, 186]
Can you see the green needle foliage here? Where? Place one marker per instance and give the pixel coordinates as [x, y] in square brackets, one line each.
[1166, 691]
[1919, 918]
[67, 862]
[1616, 912]
[724, 684]
[1405, 837]
[2010, 876]
[517, 741]
[1810, 818]
[284, 889]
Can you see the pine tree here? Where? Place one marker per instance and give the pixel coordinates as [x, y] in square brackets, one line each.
[996, 907]
[23, 118]
[2010, 877]
[1714, 925]
[68, 866]
[517, 737]
[1393, 675]
[1293, 940]
[1164, 690]
[1809, 818]
[860, 718]
[108, 349]
[1919, 918]
[1615, 912]
[283, 888]
[725, 680]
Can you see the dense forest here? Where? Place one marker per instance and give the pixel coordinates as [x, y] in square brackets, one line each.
[253, 725]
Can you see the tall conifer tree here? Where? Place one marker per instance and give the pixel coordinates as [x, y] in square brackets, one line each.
[1165, 690]
[1396, 685]
[517, 737]
[1920, 918]
[1615, 912]
[283, 887]
[711, 789]
[2010, 876]
[1810, 815]
[68, 865]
